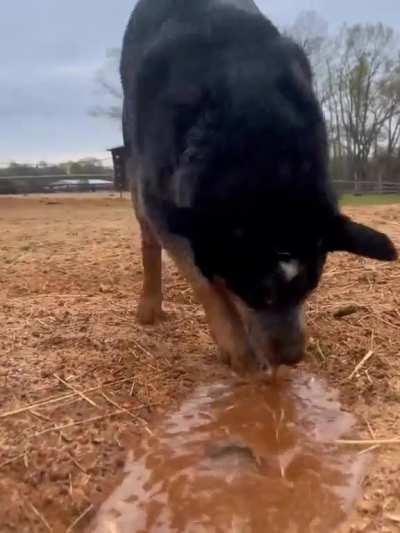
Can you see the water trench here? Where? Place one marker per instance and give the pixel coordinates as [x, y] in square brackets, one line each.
[242, 457]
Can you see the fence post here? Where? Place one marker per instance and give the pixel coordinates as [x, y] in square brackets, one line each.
[355, 185]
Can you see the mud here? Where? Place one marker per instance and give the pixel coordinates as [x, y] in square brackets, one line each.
[243, 457]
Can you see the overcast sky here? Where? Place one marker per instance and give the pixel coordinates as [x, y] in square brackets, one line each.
[50, 51]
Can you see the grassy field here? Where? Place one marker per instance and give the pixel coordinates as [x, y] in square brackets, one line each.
[370, 199]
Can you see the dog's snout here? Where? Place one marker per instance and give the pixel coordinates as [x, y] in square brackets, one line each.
[287, 351]
[278, 338]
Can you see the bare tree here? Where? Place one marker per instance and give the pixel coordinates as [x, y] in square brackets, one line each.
[108, 85]
[310, 31]
[390, 95]
[361, 60]
[388, 146]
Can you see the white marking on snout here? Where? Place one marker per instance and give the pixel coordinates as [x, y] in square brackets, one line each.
[290, 269]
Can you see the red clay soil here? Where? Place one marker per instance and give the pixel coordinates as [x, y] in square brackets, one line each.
[79, 378]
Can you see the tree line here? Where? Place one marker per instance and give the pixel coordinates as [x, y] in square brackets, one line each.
[21, 178]
[85, 166]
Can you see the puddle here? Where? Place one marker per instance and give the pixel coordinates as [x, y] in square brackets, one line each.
[241, 458]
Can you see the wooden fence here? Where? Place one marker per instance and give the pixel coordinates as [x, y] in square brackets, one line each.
[91, 182]
[366, 187]
[56, 182]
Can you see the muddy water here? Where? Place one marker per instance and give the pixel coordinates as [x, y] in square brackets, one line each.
[249, 457]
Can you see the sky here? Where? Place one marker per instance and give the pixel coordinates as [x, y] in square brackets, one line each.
[51, 50]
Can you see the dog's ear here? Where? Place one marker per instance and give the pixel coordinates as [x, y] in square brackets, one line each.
[348, 236]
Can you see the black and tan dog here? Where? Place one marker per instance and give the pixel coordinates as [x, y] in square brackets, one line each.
[229, 163]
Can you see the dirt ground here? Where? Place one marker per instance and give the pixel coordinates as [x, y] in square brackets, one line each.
[78, 377]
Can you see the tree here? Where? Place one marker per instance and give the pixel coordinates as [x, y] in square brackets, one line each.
[357, 79]
[310, 31]
[390, 95]
[364, 60]
[108, 85]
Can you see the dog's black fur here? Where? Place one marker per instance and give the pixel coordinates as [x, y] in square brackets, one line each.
[230, 148]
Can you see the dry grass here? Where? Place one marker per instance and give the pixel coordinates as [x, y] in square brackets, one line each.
[79, 379]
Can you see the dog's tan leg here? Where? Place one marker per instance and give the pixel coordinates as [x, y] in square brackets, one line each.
[150, 305]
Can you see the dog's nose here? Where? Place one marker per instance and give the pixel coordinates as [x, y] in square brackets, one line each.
[288, 351]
